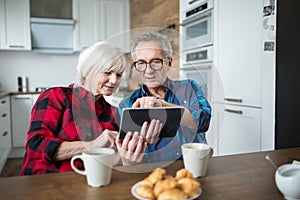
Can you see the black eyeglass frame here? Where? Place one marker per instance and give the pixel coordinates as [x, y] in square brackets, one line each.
[149, 63]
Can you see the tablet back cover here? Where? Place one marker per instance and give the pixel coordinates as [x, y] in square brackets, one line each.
[133, 118]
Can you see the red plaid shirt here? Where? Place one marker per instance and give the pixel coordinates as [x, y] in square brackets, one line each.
[63, 114]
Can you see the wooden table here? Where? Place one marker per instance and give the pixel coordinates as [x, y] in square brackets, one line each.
[244, 176]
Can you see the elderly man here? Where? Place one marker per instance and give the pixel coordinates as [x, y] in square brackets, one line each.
[152, 56]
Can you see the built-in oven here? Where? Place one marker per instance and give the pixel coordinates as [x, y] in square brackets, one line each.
[197, 25]
[197, 55]
[201, 73]
[197, 64]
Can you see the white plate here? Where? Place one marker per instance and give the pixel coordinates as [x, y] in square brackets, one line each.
[141, 198]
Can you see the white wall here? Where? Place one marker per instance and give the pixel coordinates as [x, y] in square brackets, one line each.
[42, 70]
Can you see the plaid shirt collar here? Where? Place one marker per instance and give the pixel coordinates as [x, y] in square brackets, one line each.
[79, 91]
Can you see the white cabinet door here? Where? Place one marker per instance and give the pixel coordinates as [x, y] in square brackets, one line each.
[97, 20]
[115, 22]
[15, 25]
[239, 129]
[85, 15]
[21, 106]
[5, 130]
[239, 50]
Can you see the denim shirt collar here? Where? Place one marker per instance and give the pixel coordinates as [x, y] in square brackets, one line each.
[167, 86]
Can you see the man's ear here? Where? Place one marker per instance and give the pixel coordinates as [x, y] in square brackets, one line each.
[170, 62]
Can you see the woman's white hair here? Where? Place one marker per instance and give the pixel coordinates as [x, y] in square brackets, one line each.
[100, 57]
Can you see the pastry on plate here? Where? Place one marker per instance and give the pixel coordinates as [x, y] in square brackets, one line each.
[183, 173]
[156, 175]
[172, 194]
[145, 191]
[189, 186]
[162, 185]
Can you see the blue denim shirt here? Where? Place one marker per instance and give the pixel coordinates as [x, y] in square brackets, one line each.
[185, 93]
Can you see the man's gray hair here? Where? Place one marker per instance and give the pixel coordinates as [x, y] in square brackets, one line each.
[165, 44]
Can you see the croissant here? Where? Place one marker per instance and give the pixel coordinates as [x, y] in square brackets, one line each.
[183, 173]
[189, 186]
[172, 194]
[162, 185]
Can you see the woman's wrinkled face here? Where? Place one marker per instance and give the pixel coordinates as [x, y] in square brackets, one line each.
[105, 83]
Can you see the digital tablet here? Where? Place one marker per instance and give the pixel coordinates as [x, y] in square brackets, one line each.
[132, 119]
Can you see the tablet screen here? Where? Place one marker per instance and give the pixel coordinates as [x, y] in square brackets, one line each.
[132, 119]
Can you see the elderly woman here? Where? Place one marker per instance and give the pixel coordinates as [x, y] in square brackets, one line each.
[66, 121]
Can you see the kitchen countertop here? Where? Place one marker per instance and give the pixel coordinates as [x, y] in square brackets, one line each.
[4, 94]
[32, 92]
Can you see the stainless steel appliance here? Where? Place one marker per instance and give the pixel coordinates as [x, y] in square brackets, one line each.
[197, 64]
[197, 52]
[197, 25]
[197, 55]
[22, 84]
[51, 35]
[201, 73]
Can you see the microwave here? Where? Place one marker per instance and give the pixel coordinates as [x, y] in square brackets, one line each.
[197, 26]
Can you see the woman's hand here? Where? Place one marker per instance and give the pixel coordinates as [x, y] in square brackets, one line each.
[131, 149]
[133, 146]
[106, 139]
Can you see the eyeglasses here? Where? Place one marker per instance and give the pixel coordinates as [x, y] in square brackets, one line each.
[155, 64]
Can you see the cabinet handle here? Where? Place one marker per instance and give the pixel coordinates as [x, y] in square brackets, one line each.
[3, 101]
[4, 134]
[234, 100]
[16, 46]
[3, 115]
[193, 1]
[22, 98]
[234, 111]
[185, 22]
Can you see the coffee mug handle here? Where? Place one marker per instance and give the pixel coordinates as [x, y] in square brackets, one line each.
[82, 172]
[211, 152]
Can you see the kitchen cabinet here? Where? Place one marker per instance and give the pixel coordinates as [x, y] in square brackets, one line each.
[97, 20]
[239, 50]
[15, 25]
[239, 129]
[21, 105]
[238, 78]
[5, 130]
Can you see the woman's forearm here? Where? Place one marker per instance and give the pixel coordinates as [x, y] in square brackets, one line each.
[67, 150]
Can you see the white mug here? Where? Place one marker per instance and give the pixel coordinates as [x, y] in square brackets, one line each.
[287, 179]
[98, 165]
[196, 157]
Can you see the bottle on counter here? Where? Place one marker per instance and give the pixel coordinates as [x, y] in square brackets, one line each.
[22, 84]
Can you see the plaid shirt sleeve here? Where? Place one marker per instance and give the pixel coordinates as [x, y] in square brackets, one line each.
[52, 122]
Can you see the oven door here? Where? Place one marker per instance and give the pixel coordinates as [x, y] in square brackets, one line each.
[201, 73]
[197, 32]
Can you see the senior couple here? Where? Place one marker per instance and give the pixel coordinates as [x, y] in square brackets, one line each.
[66, 121]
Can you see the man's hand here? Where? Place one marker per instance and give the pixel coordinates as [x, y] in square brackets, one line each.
[148, 102]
